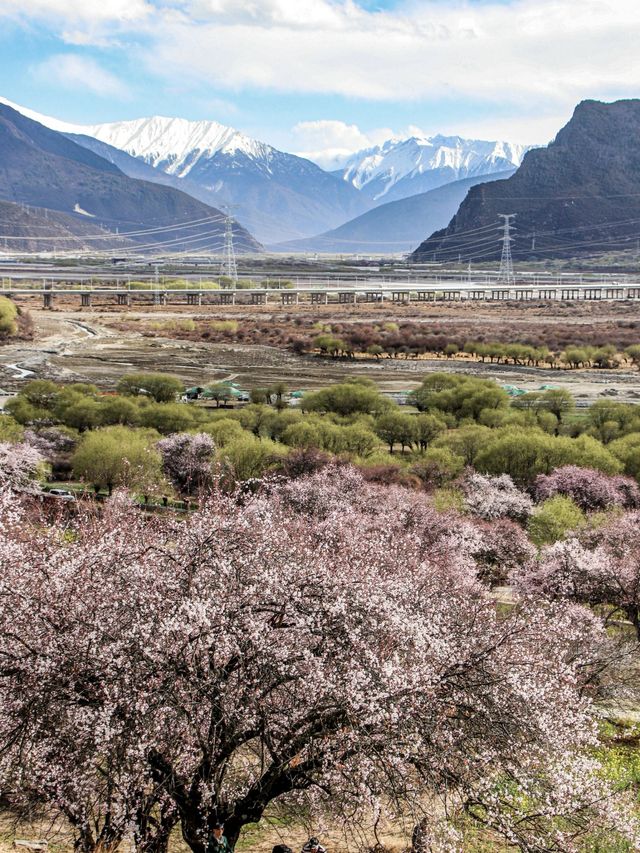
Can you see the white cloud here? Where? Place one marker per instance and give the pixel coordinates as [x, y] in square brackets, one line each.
[538, 56]
[82, 22]
[79, 72]
[78, 10]
[329, 142]
[527, 50]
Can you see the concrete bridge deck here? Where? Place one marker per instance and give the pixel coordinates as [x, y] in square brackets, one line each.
[398, 293]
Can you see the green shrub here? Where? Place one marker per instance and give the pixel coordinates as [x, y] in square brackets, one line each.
[553, 519]
[8, 317]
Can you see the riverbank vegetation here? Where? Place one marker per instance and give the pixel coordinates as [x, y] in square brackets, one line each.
[608, 345]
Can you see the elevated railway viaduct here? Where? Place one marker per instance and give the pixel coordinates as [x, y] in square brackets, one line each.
[118, 293]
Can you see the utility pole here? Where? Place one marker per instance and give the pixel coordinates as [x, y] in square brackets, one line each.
[229, 267]
[506, 275]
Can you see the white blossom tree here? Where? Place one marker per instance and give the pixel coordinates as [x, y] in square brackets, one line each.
[20, 465]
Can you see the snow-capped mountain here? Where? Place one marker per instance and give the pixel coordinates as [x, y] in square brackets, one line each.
[280, 196]
[404, 167]
[277, 196]
[276, 193]
[176, 145]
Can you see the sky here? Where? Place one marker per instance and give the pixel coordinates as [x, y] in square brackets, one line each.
[323, 78]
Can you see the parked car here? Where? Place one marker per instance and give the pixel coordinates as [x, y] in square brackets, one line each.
[63, 494]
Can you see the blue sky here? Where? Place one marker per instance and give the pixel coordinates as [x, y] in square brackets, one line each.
[323, 76]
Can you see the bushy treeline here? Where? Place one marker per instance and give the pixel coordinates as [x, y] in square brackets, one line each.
[461, 422]
[553, 345]
[493, 352]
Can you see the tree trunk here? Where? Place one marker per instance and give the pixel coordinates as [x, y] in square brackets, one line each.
[152, 833]
[633, 614]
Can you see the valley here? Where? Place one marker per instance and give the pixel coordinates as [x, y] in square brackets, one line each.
[99, 346]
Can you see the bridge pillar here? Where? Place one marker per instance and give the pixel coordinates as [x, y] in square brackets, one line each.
[258, 298]
[47, 300]
[227, 299]
[319, 298]
[124, 299]
[346, 296]
[194, 299]
[477, 294]
[85, 300]
[289, 298]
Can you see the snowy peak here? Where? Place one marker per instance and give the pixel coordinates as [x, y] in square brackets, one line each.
[175, 145]
[436, 159]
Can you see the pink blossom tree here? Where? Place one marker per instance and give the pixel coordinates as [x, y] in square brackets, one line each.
[590, 489]
[187, 461]
[602, 568]
[51, 441]
[504, 548]
[311, 644]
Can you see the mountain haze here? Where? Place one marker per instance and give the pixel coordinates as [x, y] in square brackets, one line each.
[394, 227]
[580, 195]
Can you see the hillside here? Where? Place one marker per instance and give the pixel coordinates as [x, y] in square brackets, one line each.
[396, 226]
[44, 168]
[579, 196]
[35, 229]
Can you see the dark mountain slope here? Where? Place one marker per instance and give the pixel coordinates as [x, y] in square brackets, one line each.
[34, 229]
[44, 168]
[393, 227]
[581, 195]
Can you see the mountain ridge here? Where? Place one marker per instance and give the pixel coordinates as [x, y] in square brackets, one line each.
[386, 172]
[46, 169]
[282, 196]
[580, 195]
[276, 194]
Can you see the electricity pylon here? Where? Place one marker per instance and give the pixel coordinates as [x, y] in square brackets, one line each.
[229, 267]
[506, 274]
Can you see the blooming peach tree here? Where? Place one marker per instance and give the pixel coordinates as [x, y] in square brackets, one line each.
[19, 467]
[325, 643]
[601, 568]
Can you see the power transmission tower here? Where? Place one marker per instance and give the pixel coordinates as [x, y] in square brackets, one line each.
[506, 275]
[229, 267]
